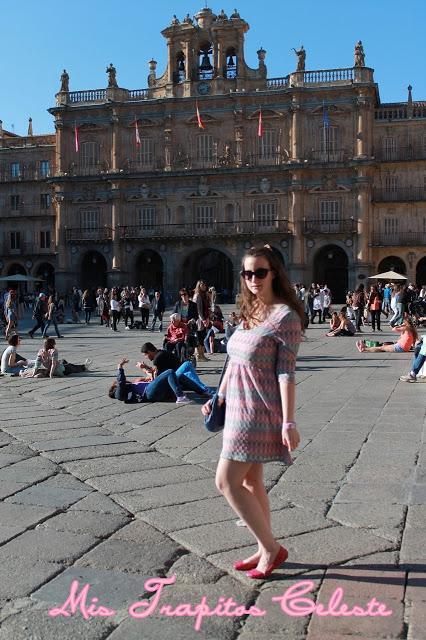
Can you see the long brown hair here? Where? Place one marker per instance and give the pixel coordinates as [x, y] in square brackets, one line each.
[410, 327]
[281, 287]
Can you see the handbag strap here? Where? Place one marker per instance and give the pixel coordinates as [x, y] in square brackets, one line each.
[223, 371]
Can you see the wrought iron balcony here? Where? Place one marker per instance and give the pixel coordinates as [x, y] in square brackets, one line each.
[86, 169]
[77, 234]
[322, 156]
[316, 227]
[400, 194]
[24, 173]
[399, 239]
[206, 228]
[401, 153]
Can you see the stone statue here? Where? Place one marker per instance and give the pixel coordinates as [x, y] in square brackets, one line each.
[112, 77]
[65, 82]
[175, 20]
[359, 55]
[301, 58]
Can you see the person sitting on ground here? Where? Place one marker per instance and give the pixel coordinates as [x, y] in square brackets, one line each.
[48, 365]
[406, 340]
[11, 362]
[419, 358]
[176, 335]
[345, 328]
[334, 321]
[164, 387]
[163, 360]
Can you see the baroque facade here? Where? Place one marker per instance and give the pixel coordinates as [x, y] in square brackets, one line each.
[159, 186]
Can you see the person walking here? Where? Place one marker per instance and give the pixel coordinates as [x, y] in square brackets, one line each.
[259, 389]
[158, 309]
[115, 310]
[202, 301]
[87, 305]
[51, 317]
[375, 301]
[358, 304]
[144, 304]
[39, 314]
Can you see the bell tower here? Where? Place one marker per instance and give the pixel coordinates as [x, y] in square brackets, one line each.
[206, 57]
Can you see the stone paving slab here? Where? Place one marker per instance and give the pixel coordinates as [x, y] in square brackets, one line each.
[350, 509]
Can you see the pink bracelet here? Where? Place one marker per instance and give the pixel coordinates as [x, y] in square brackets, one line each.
[289, 425]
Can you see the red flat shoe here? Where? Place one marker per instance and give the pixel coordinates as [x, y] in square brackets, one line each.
[281, 557]
[240, 565]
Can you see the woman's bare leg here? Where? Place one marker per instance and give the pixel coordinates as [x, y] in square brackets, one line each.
[385, 347]
[232, 478]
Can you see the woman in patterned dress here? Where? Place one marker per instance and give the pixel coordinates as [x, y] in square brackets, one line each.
[260, 399]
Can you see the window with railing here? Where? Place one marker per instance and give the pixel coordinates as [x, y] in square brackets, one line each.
[268, 144]
[204, 216]
[15, 202]
[44, 168]
[391, 183]
[89, 220]
[145, 153]
[329, 142]
[266, 214]
[389, 149]
[204, 148]
[15, 170]
[89, 154]
[391, 227]
[329, 215]
[15, 240]
[146, 218]
[45, 200]
[45, 239]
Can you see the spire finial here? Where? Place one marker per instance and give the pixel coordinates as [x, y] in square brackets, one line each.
[410, 94]
[30, 127]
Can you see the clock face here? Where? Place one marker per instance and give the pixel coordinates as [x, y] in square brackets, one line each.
[203, 88]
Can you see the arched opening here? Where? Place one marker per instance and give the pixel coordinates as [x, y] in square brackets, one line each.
[149, 270]
[392, 263]
[231, 66]
[421, 272]
[16, 269]
[46, 273]
[93, 272]
[212, 266]
[205, 67]
[180, 73]
[331, 268]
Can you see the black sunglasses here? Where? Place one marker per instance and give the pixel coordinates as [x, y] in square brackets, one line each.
[260, 273]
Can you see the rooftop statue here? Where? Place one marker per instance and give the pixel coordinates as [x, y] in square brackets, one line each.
[65, 82]
[359, 55]
[301, 58]
[112, 77]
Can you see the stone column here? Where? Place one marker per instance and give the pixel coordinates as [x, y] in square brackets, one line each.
[296, 132]
[363, 254]
[114, 274]
[296, 220]
[62, 273]
[114, 142]
[364, 127]
[170, 66]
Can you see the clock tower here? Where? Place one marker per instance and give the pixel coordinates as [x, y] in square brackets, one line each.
[206, 57]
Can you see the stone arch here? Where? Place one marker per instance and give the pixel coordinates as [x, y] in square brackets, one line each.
[392, 263]
[421, 272]
[331, 267]
[93, 271]
[46, 272]
[149, 270]
[16, 269]
[211, 265]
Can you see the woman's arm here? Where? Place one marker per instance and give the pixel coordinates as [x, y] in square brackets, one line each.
[399, 329]
[290, 435]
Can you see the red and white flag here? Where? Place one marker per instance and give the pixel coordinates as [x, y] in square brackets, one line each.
[260, 125]
[76, 141]
[199, 121]
[137, 136]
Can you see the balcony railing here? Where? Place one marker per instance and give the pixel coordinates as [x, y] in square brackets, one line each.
[400, 153]
[400, 111]
[76, 234]
[86, 169]
[29, 210]
[22, 250]
[277, 83]
[24, 174]
[90, 95]
[210, 228]
[401, 194]
[402, 239]
[322, 76]
[321, 156]
[313, 226]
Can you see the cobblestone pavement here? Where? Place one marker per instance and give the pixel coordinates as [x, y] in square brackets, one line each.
[111, 494]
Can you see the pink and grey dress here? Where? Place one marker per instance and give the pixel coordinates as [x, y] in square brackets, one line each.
[258, 359]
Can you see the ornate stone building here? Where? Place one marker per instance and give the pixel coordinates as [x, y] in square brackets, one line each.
[27, 214]
[159, 186]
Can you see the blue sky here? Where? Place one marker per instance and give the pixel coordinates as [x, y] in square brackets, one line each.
[39, 39]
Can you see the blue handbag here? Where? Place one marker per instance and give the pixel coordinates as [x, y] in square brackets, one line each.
[215, 421]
